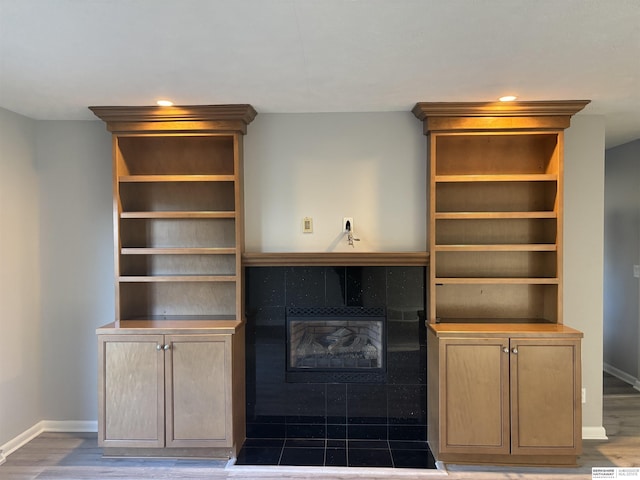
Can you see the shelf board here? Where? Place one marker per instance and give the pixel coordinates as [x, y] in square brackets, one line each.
[498, 327]
[178, 214]
[492, 215]
[260, 259]
[492, 320]
[496, 281]
[531, 177]
[178, 251]
[174, 324]
[176, 278]
[525, 247]
[175, 178]
[173, 318]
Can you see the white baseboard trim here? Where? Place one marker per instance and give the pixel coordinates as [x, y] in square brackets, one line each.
[20, 440]
[624, 376]
[594, 433]
[70, 426]
[588, 433]
[45, 426]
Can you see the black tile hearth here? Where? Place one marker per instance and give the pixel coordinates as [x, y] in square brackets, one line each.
[368, 444]
[335, 457]
[336, 453]
[413, 459]
[336, 431]
[259, 456]
[371, 432]
[369, 458]
[302, 456]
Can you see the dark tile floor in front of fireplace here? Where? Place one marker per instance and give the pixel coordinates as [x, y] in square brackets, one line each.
[336, 453]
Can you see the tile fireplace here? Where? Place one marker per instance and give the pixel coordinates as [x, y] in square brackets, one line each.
[387, 402]
[336, 367]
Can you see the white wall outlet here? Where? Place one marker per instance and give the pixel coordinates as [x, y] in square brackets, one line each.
[584, 395]
[307, 225]
[636, 271]
[344, 223]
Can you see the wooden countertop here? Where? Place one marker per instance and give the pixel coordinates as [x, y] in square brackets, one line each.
[502, 329]
[169, 327]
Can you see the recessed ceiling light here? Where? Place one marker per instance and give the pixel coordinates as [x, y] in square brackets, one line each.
[508, 98]
[164, 103]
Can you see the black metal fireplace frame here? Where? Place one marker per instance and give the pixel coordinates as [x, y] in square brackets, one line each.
[336, 374]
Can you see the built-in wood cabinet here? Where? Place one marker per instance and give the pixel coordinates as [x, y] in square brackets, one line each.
[167, 389]
[503, 371]
[172, 363]
[504, 397]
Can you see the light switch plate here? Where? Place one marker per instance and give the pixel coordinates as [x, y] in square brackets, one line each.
[307, 225]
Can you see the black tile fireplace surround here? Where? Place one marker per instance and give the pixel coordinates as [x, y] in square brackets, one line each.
[391, 411]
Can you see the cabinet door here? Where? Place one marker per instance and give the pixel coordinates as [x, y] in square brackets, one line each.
[131, 391]
[474, 396]
[198, 393]
[545, 395]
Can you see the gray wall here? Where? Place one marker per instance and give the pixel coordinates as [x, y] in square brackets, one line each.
[622, 251]
[73, 195]
[583, 254]
[76, 252]
[370, 167]
[20, 330]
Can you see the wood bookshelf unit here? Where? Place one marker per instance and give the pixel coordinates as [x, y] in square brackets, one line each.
[495, 219]
[178, 244]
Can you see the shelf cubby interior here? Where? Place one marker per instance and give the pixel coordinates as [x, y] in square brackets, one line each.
[495, 264]
[499, 302]
[526, 196]
[163, 265]
[177, 196]
[175, 155]
[179, 233]
[496, 231]
[496, 154]
[144, 300]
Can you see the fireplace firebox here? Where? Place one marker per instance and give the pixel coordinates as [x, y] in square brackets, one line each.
[336, 345]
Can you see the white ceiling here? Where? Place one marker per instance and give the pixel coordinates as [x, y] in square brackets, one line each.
[59, 56]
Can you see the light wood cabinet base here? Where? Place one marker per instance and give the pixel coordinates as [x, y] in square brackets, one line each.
[504, 394]
[524, 460]
[171, 392]
[212, 453]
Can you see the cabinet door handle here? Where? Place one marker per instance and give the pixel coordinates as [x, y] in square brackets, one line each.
[158, 347]
[166, 347]
[505, 349]
[514, 350]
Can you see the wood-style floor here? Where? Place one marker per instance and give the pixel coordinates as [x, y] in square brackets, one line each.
[74, 456]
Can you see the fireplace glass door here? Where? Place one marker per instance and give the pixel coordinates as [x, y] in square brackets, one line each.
[339, 341]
